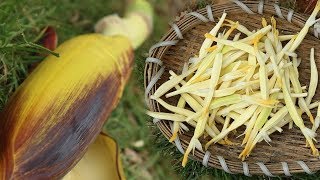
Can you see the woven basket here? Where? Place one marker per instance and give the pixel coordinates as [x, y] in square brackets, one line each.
[288, 153]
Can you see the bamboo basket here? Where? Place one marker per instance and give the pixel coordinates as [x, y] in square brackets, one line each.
[288, 153]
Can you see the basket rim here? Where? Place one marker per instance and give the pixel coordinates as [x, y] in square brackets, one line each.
[154, 66]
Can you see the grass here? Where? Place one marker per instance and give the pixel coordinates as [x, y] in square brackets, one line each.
[18, 31]
[22, 24]
[129, 124]
[146, 154]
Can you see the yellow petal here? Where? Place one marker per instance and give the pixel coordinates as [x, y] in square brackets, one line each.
[61, 107]
[101, 161]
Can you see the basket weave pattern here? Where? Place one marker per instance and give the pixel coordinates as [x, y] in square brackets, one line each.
[288, 152]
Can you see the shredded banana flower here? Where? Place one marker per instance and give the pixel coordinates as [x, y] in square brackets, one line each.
[298, 89]
[208, 42]
[317, 120]
[167, 116]
[250, 79]
[194, 143]
[314, 78]
[176, 125]
[239, 121]
[296, 117]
